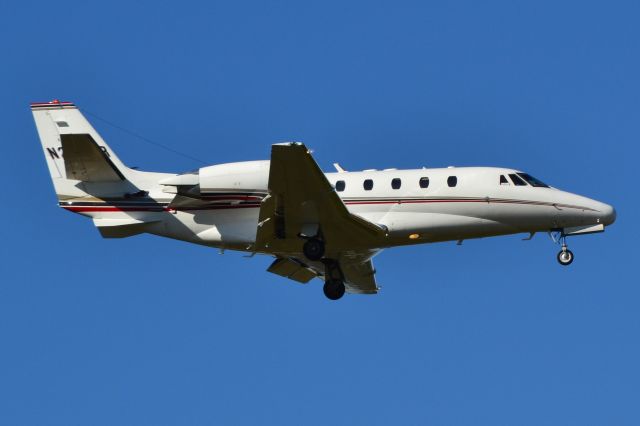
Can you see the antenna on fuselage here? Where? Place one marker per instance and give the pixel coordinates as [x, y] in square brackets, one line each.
[339, 168]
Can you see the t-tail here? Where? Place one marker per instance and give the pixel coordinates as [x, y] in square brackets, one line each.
[87, 175]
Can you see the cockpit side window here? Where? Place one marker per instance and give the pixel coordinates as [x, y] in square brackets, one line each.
[533, 181]
[517, 180]
[503, 180]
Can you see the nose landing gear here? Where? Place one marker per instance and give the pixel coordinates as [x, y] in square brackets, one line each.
[565, 256]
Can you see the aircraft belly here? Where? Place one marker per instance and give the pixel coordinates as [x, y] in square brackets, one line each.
[440, 221]
[233, 228]
[443, 226]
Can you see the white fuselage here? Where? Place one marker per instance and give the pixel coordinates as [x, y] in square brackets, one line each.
[479, 205]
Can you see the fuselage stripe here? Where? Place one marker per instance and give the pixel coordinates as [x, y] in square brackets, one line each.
[252, 202]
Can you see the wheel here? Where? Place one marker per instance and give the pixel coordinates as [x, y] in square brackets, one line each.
[333, 289]
[565, 257]
[313, 249]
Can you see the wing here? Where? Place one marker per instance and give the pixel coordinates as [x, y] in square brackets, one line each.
[301, 201]
[359, 273]
[356, 267]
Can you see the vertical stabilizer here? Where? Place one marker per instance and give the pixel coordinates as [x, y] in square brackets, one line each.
[80, 162]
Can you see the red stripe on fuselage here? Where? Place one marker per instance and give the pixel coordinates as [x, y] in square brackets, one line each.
[85, 209]
[414, 201]
[90, 209]
[231, 197]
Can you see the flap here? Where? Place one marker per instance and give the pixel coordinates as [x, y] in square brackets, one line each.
[291, 269]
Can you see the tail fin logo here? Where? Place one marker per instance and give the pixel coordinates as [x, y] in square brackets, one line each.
[57, 154]
[53, 153]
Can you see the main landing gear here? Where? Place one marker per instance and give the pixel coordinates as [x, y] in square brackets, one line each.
[334, 281]
[333, 289]
[314, 250]
[565, 256]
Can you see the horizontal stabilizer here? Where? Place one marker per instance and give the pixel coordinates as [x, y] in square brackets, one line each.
[84, 160]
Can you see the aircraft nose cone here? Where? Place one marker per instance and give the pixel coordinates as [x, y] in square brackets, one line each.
[608, 214]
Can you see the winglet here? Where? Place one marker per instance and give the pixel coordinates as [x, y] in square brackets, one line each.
[339, 168]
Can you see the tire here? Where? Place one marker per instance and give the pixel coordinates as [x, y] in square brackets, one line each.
[565, 257]
[333, 289]
[313, 249]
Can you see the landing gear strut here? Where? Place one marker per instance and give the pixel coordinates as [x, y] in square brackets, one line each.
[334, 281]
[313, 249]
[565, 256]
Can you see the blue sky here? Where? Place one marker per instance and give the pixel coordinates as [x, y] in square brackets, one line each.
[147, 331]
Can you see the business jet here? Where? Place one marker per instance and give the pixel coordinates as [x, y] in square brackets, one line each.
[315, 224]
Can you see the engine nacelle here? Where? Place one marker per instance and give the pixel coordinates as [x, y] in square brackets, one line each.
[247, 180]
[242, 177]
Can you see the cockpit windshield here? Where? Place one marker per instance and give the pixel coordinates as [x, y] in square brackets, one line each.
[533, 181]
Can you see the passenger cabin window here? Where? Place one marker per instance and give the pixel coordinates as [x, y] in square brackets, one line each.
[424, 182]
[368, 185]
[503, 180]
[452, 181]
[340, 185]
[533, 181]
[396, 183]
[517, 180]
